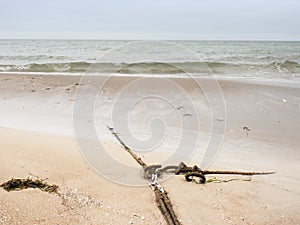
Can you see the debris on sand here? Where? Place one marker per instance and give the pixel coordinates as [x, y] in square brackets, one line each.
[246, 129]
[20, 184]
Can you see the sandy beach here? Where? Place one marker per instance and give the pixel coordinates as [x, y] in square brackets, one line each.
[37, 140]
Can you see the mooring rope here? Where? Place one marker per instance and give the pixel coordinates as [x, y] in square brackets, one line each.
[137, 159]
[153, 172]
[162, 199]
[195, 171]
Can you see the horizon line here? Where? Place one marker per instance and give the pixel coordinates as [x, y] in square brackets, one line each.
[132, 39]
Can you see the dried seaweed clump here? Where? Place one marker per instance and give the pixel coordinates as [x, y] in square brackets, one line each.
[20, 184]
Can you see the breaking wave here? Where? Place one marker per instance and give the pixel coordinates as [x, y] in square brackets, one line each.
[285, 67]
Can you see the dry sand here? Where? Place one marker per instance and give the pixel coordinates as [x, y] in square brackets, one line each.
[37, 140]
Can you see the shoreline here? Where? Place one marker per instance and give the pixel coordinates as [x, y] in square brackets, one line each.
[60, 93]
[220, 77]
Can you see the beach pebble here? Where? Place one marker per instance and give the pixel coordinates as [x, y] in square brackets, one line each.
[142, 218]
[284, 100]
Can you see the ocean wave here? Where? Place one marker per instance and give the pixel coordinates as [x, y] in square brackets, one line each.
[34, 57]
[286, 67]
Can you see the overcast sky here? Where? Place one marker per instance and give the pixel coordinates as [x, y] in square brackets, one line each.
[151, 19]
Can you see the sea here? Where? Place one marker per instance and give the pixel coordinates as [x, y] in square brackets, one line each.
[259, 59]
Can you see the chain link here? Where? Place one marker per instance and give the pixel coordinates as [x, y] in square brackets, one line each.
[159, 171]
